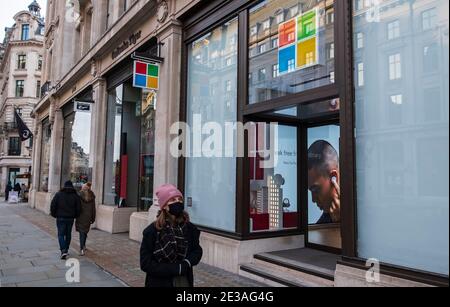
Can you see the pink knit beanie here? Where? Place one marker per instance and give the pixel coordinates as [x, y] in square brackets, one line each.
[165, 193]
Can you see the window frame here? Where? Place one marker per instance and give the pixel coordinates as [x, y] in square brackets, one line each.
[208, 17]
[21, 61]
[20, 89]
[25, 35]
[17, 150]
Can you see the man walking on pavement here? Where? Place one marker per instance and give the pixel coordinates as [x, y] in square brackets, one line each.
[65, 207]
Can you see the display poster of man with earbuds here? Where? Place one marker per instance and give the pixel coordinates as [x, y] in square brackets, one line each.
[324, 180]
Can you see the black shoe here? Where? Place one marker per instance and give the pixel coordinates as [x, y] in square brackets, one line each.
[64, 256]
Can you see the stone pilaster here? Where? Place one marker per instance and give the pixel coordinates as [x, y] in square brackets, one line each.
[98, 137]
[36, 169]
[168, 106]
[98, 20]
[56, 152]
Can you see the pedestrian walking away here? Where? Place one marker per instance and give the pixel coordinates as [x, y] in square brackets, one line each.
[87, 215]
[65, 207]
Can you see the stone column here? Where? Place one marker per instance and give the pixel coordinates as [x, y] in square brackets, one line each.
[36, 165]
[4, 179]
[168, 108]
[56, 153]
[98, 137]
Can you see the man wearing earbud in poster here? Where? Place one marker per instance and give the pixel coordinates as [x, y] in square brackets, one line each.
[324, 181]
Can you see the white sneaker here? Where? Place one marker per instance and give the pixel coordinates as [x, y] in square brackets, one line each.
[82, 253]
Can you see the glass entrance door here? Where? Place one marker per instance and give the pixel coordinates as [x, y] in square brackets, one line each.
[302, 190]
[324, 206]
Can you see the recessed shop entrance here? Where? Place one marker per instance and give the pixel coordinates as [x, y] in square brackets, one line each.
[302, 190]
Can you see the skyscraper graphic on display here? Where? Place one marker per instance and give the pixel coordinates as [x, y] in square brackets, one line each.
[275, 203]
[262, 200]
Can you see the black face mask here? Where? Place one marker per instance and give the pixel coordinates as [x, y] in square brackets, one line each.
[176, 209]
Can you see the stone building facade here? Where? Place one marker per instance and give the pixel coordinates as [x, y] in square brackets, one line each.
[20, 83]
[106, 33]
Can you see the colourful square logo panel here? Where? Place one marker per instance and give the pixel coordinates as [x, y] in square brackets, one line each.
[286, 33]
[307, 53]
[146, 75]
[152, 83]
[286, 59]
[140, 81]
[141, 68]
[307, 25]
[153, 71]
[298, 43]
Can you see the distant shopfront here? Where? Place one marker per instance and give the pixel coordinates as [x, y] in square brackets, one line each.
[325, 71]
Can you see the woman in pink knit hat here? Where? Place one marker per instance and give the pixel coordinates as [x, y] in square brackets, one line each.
[170, 247]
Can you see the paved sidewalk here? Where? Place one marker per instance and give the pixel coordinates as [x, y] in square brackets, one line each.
[29, 258]
[117, 254]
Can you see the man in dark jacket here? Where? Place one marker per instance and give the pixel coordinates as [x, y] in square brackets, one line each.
[65, 207]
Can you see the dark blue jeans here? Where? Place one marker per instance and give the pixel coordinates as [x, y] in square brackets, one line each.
[83, 239]
[64, 233]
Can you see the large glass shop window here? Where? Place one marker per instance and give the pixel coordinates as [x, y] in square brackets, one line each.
[212, 100]
[130, 148]
[76, 164]
[291, 47]
[401, 56]
[147, 161]
[45, 156]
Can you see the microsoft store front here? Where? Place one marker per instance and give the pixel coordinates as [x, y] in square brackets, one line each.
[317, 68]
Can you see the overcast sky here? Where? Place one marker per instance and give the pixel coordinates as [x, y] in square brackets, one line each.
[8, 11]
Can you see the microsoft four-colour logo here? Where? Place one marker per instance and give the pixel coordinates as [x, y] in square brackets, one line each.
[146, 75]
[298, 42]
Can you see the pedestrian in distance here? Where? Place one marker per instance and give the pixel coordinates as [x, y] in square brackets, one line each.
[8, 190]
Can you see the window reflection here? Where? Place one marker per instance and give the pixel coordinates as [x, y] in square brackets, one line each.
[212, 94]
[146, 172]
[402, 132]
[294, 40]
[113, 150]
[76, 150]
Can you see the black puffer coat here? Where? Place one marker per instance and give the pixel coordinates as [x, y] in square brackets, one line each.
[163, 274]
[66, 204]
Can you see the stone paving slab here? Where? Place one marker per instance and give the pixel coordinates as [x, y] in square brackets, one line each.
[30, 257]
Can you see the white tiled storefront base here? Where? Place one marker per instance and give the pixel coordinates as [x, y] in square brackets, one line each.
[114, 220]
[228, 254]
[138, 222]
[352, 277]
